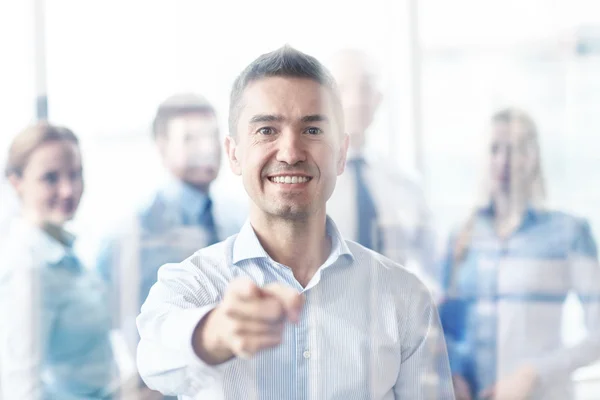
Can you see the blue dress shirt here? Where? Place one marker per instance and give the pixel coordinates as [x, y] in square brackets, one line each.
[169, 227]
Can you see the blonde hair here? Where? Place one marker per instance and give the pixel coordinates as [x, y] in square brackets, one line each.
[536, 192]
[29, 140]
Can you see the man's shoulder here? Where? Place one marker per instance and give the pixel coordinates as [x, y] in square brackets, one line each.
[216, 258]
[396, 177]
[392, 279]
[368, 258]
[153, 211]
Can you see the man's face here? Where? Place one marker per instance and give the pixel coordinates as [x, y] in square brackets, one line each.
[288, 147]
[190, 148]
[360, 97]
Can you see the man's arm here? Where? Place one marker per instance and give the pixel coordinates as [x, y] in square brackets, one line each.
[188, 333]
[424, 370]
[105, 259]
[175, 306]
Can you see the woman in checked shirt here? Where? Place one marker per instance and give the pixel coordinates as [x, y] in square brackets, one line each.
[507, 274]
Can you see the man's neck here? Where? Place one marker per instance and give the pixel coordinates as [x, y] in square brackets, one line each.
[173, 179]
[202, 188]
[302, 245]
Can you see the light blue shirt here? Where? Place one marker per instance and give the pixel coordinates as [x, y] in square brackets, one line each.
[55, 341]
[368, 329]
[164, 230]
[505, 301]
[155, 230]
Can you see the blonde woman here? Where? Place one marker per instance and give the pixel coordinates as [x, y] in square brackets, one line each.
[54, 338]
[507, 273]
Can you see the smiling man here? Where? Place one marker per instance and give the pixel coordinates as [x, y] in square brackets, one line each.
[287, 308]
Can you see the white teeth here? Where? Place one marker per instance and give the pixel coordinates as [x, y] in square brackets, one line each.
[290, 179]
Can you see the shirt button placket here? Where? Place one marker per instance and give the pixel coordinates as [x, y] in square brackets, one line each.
[303, 352]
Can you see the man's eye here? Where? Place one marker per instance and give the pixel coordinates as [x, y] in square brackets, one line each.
[313, 131]
[266, 131]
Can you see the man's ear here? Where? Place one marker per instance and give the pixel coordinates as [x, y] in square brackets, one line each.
[341, 163]
[231, 150]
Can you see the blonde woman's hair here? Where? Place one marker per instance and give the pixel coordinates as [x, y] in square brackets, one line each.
[29, 140]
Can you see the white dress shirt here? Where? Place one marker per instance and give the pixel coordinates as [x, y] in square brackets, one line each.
[368, 329]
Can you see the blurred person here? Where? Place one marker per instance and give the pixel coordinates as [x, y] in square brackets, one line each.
[54, 338]
[373, 203]
[9, 205]
[8, 211]
[181, 216]
[508, 271]
[287, 308]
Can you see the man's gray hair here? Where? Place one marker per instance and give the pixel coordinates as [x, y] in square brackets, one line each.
[284, 62]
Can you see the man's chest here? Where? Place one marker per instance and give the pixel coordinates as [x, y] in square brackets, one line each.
[344, 347]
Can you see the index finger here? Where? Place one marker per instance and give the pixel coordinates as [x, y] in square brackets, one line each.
[291, 300]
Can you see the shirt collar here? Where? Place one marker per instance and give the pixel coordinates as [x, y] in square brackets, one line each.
[531, 213]
[247, 245]
[190, 200]
[49, 249]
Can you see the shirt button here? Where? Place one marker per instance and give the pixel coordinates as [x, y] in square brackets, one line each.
[306, 354]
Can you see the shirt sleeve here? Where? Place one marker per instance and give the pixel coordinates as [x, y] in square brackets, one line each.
[452, 312]
[424, 249]
[424, 370]
[166, 359]
[106, 256]
[413, 247]
[118, 263]
[28, 318]
[425, 237]
[114, 247]
[584, 273]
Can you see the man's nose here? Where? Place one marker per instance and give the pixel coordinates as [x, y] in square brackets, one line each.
[291, 149]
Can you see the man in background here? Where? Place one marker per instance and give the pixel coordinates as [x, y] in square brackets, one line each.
[180, 217]
[373, 204]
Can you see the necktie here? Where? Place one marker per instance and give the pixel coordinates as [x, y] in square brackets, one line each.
[71, 263]
[207, 221]
[368, 230]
